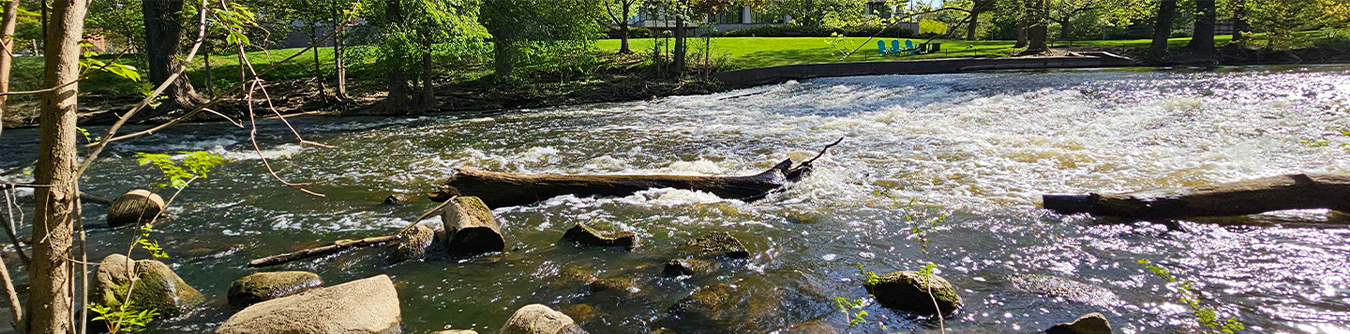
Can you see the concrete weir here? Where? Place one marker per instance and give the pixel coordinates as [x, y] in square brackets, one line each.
[777, 74]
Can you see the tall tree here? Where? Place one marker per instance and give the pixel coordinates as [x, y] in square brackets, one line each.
[1241, 26]
[1162, 29]
[50, 297]
[1038, 32]
[976, 8]
[1202, 41]
[537, 23]
[7, 25]
[163, 44]
[618, 12]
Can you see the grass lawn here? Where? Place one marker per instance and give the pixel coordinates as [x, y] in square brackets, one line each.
[752, 52]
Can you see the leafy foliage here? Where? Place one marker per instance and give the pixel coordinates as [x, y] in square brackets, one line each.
[1189, 294]
[123, 319]
[176, 175]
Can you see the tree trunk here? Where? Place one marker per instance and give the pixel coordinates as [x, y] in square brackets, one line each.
[503, 55]
[470, 227]
[974, 20]
[1039, 30]
[338, 63]
[1022, 23]
[1065, 33]
[1202, 41]
[1285, 192]
[1240, 24]
[397, 101]
[1162, 29]
[163, 37]
[428, 100]
[507, 189]
[680, 46]
[50, 297]
[318, 69]
[7, 55]
[206, 59]
[623, 29]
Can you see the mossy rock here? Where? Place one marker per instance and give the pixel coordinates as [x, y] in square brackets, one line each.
[157, 287]
[717, 244]
[261, 287]
[583, 235]
[1064, 288]
[688, 267]
[907, 291]
[1091, 323]
[742, 308]
[412, 244]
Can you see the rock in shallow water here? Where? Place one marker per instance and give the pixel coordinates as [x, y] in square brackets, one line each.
[1091, 323]
[470, 227]
[722, 308]
[412, 244]
[365, 306]
[586, 236]
[260, 287]
[540, 319]
[1067, 289]
[715, 244]
[688, 267]
[907, 291]
[158, 287]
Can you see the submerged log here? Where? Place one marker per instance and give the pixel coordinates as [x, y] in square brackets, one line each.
[509, 189]
[335, 247]
[1285, 192]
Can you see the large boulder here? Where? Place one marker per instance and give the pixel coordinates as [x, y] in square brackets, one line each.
[157, 287]
[743, 308]
[1091, 323]
[412, 244]
[908, 291]
[364, 306]
[136, 206]
[260, 287]
[540, 319]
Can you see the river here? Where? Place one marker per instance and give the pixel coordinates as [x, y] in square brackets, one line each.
[978, 149]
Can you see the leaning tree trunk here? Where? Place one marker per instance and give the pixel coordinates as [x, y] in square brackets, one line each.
[1162, 30]
[1285, 192]
[1202, 41]
[163, 46]
[50, 297]
[7, 54]
[974, 21]
[508, 189]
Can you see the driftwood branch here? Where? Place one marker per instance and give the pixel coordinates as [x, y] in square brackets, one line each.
[335, 247]
[1285, 192]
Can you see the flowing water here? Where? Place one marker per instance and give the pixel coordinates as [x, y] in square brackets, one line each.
[978, 149]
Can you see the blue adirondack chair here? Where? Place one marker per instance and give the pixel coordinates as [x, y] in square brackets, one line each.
[909, 48]
[881, 46]
[895, 46]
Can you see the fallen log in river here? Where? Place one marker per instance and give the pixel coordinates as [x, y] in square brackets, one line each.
[1285, 192]
[511, 189]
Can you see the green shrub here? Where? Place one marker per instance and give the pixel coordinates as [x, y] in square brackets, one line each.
[1179, 34]
[639, 33]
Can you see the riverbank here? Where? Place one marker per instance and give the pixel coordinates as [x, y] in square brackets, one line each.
[470, 86]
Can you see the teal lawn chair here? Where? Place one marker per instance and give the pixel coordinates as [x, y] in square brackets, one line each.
[881, 46]
[909, 48]
[895, 46]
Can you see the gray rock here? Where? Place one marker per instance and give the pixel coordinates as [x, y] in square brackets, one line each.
[586, 236]
[157, 288]
[260, 287]
[1091, 323]
[364, 306]
[722, 308]
[906, 291]
[540, 319]
[412, 244]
